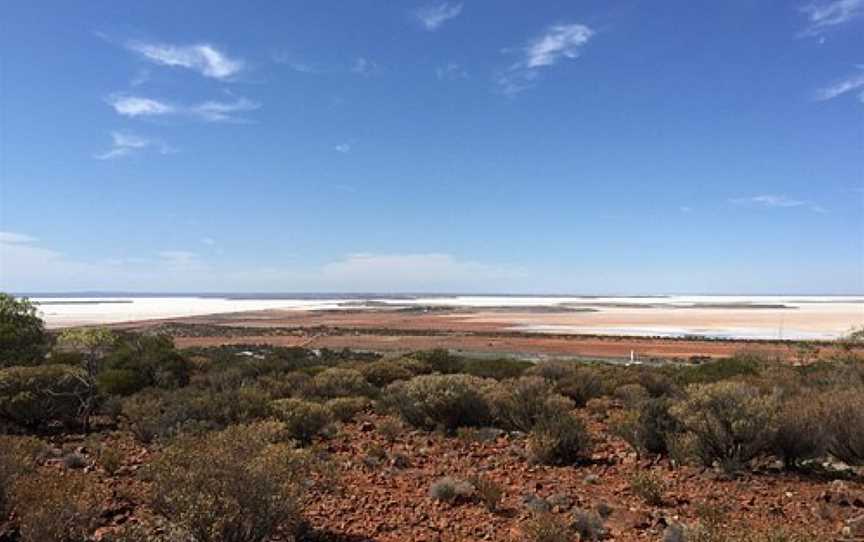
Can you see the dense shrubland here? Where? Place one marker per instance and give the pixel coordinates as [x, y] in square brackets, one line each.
[231, 428]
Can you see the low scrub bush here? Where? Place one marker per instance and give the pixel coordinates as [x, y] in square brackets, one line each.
[236, 485]
[33, 396]
[843, 418]
[345, 409]
[499, 369]
[52, 507]
[385, 372]
[589, 525]
[799, 433]
[18, 457]
[745, 364]
[559, 440]
[519, 404]
[488, 491]
[582, 385]
[445, 401]
[303, 419]
[141, 361]
[648, 428]
[158, 414]
[339, 382]
[730, 422]
[648, 487]
[440, 361]
[451, 490]
[547, 527]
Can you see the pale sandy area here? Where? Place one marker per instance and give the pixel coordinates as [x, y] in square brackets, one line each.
[807, 321]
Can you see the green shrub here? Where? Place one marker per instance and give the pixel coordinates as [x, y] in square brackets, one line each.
[158, 413]
[446, 401]
[559, 440]
[338, 382]
[141, 361]
[345, 409]
[731, 423]
[382, 373]
[303, 419]
[33, 396]
[499, 369]
[22, 334]
[843, 418]
[236, 485]
[521, 403]
[283, 386]
[724, 369]
[52, 507]
[440, 361]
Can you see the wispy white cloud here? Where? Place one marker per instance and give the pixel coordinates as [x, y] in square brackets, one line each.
[433, 16]
[203, 58]
[451, 71]
[843, 86]
[822, 16]
[561, 41]
[344, 148]
[774, 201]
[136, 106]
[209, 241]
[209, 111]
[364, 66]
[126, 144]
[219, 111]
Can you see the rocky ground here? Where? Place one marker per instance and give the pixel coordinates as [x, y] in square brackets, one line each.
[379, 473]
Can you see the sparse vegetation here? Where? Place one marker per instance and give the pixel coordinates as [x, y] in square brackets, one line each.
[559, 440]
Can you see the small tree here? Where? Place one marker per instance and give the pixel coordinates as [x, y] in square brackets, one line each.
[94, 344]
[22, 334]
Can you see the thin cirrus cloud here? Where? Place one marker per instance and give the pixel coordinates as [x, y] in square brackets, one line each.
[843, 86]
[822, 16]
[774, 201]
[202, 58]
[344, 148]
[126, 144]
[433, 16]
[559, 42]
[209, 111]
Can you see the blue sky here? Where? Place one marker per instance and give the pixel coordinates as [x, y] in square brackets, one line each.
[475, 146]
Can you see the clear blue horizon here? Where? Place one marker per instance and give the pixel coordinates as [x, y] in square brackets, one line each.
[433, 147]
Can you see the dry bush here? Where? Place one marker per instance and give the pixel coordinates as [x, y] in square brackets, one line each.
[589, 525]
[345, 409]
[731, 423]
[648, 487]
[632, 395]
[582, 385]
[18, 457]
[547, 527]
[519, 404]
[451, 490]
[390, 429]
[488, 491]
[54, 507]
[339, 382]
[647, 429]
[236, 485]
[282, 386]
[559, 440]
[800, 433]
[445, 401]
[843, 418]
